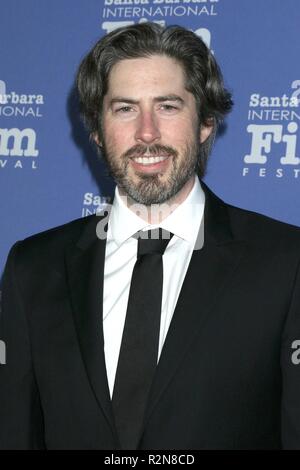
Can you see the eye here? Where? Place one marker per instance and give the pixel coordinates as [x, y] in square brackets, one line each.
[124, 109]
[168, 107]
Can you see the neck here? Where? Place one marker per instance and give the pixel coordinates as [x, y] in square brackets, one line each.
[156, 213]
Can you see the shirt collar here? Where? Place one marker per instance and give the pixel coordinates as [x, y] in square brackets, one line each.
[184, 221]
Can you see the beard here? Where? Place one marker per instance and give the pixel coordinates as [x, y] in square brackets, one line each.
[155, 188]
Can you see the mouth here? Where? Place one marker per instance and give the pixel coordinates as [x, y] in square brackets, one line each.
[149, 160]
[149, 163]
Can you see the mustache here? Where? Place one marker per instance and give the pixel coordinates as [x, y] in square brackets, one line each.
[151, 150]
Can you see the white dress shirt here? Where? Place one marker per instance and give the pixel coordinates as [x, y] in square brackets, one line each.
[120, 257]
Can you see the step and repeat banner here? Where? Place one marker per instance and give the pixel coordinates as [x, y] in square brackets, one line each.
[49, 173]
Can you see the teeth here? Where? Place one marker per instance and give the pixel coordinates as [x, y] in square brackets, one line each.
[149, 160]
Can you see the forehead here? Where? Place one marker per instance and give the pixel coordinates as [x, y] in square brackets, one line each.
[159, 73]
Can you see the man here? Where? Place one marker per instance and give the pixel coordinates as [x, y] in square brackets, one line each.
[184, 337]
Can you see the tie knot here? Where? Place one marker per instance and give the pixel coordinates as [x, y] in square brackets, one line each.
[153, 241]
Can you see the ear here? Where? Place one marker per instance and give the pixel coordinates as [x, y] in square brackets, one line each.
[95, 138]
[205, 131]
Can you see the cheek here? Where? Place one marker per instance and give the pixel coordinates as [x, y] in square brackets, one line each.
[117, 137]
[180, 131]
[181, 138]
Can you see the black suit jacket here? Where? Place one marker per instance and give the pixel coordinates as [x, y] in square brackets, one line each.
[227, 376]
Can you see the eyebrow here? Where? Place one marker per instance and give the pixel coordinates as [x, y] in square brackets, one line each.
[157, 99]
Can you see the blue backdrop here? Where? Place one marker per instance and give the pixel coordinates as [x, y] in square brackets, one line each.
[48, 172]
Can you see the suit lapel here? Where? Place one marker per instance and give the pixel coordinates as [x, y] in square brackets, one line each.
[209, 272]
[85, 267]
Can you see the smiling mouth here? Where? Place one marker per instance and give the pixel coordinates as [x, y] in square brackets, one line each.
[150, 160]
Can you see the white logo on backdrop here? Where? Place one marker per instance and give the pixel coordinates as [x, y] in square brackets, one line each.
[116, 12]
[16, 142]
[13, 104]
[93, 203]
[274, 134]
[109, 26]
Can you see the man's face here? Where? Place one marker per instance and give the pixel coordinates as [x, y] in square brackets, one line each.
[150, 129]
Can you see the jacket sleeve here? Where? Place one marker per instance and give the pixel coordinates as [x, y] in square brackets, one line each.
[21, 419]
[290, 369]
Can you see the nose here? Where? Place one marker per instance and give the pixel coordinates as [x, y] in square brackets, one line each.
[148, 129]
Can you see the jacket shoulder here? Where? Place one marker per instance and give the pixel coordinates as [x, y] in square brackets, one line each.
[65, 233]
[253, 226]
[49, 246]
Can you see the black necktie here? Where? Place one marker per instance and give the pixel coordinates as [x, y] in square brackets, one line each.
[139, 347]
